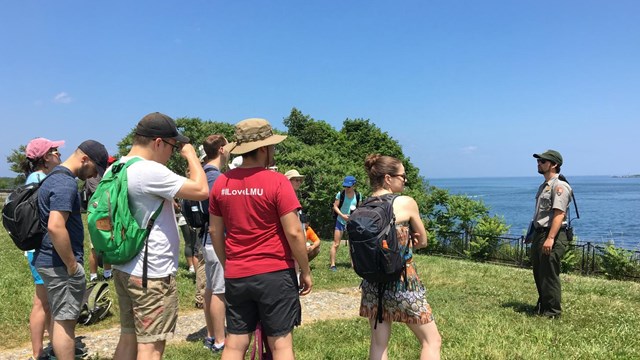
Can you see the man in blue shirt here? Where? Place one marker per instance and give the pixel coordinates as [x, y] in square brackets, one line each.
[214, 308]
[60, 257]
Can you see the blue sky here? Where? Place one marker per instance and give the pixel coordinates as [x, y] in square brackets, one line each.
[469, 88]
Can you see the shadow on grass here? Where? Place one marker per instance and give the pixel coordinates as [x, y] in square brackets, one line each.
[198, 335]
[520, 307]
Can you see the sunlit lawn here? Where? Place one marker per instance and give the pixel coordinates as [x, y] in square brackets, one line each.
[483, 312]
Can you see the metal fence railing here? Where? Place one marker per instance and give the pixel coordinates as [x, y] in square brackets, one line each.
[582, 257]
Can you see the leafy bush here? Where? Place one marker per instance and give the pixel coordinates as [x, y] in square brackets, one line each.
[484, 243]
[571, 260]
[618, 263]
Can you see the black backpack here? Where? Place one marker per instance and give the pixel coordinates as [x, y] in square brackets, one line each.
[341, 201]
[21, 217]
[373, 244]
[196, 213]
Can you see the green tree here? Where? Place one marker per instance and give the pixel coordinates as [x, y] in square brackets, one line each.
[15, 159]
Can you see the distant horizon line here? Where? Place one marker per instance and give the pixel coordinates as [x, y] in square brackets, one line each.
[528, 176]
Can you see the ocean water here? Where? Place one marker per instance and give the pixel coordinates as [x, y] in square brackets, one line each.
[609, 207]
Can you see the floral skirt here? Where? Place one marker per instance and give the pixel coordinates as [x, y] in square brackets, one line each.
[400, 303]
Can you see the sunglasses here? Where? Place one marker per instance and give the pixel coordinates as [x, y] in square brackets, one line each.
[54, 152]
[175, 147]
[403, 176]
[541, 161]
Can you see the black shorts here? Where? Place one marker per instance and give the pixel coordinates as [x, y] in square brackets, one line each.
[270, 298]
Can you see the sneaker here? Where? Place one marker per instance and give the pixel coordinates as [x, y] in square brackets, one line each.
[208, 342]
[107, 278]
[333, 268]
[192, 269]
[215, 348]
[81, 353]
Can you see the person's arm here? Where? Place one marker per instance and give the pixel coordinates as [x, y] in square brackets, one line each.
[296, 239]
[556, 223]
[311, 235]
[419, 232]
[196, 186]
[57, 229]
[216, 231]
[337, 210]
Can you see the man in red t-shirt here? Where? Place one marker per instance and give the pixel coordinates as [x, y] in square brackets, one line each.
[258, 210]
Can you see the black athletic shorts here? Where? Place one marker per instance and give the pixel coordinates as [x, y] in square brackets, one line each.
[270, 298]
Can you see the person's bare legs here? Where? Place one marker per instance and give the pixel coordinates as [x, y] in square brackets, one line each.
[63, 339]
[39, 319]
[218, 312]
[337, 236]
[208, 312]
[281, 347]
[93, 262]
[429, 338]
[127, 348]
[151, 351]
[379, 340]
[236, 346]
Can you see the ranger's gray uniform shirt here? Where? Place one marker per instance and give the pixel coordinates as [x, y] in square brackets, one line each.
[552, 194]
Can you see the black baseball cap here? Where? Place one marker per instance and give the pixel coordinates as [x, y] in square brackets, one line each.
[158, 125]
[97, 153]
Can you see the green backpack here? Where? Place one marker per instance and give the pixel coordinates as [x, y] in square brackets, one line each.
[115, 233]
[96, 303]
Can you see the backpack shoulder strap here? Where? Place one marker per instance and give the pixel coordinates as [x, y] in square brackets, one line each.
[573, 197]
[342, 196]
[95, 293]
[59, 171]
[358, 197]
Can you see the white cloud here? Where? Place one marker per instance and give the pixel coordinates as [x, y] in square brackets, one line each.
[469, 149]
[62, 98]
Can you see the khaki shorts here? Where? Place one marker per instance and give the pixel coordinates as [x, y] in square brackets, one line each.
[149, 313]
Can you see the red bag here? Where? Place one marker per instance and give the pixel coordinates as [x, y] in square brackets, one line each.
[260, 345]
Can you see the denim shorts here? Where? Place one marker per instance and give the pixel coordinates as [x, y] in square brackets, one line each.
[65, 293]
[340, 226]
[270, 298]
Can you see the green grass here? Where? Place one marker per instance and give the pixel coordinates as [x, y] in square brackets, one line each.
[483, 311]
[16, 293]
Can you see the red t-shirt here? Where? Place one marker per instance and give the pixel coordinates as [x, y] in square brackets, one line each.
[251, 202]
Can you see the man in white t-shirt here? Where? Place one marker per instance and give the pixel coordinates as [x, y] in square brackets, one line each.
[148, 316]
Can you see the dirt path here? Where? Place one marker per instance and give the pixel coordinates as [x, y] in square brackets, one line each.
[319, 305]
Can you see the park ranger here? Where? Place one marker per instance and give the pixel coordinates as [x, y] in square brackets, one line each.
[549, 240]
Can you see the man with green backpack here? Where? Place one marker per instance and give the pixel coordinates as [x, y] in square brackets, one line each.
[132, 223]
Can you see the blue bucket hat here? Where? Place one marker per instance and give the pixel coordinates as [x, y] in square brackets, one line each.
[349, 181]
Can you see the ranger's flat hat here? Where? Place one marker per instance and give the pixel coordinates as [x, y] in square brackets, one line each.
[550, 155]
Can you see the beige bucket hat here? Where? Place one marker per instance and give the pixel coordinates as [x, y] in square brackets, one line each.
[293, 174]
[251, 134]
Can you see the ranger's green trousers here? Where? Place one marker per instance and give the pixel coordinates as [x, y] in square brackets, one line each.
[546, 271]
